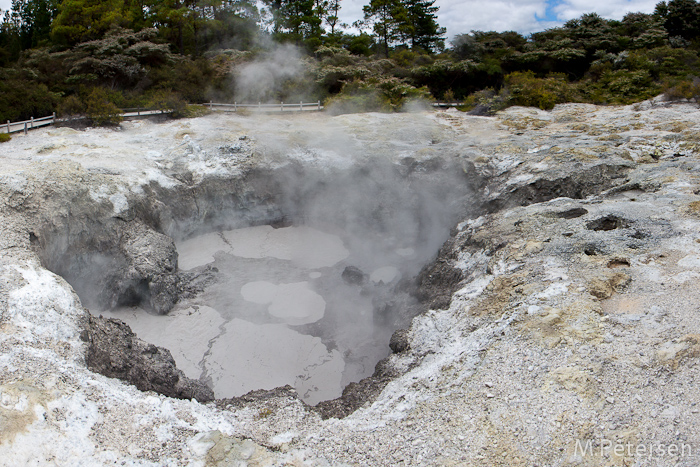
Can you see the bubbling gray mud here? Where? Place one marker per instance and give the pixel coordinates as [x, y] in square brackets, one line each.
[312, 304]
[246, 330]
[297, 250]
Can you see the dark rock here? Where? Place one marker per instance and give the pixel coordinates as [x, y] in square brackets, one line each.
[609, 222]
[437, 282]
[572, 213]
[282, 393]
[151, 266]
[116, 352]
[353, 276]
[399, 341]
[355, 395]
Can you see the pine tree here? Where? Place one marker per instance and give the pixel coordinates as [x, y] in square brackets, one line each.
[331, 18]
[409, 21]
[420, 27]
[83, 20]
[681, 18]
[294, 19]
[385, 16]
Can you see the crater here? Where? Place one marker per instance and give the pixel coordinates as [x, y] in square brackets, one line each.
[281, 274]
[572, 213]
[292, 276]
[618, 263]
[609, 222]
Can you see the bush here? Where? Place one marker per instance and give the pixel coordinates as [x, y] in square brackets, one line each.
[21, 97]
[100, 110]
[71, 106]
[357, 97]
[376, 95]
[168, 101]
[5, 137]
[683, 89]
[621, 87]
[485, 102]
[527, 90]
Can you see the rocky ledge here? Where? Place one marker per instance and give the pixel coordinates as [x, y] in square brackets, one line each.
[562, 328]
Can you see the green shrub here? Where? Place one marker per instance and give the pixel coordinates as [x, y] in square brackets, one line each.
[168, 101]
[449, 96]
[5, 137]
[100, 110]
[682, 89]
[485, 102]
[357, 97]
[621, 87]
[527, 90]
[376, 95]
[194, 111]
[22, 97]
[70, 106]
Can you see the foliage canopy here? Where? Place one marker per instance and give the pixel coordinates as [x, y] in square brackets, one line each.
[76, 56]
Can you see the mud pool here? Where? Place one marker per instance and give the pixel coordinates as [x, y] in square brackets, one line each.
[278, 312]
[259, 253]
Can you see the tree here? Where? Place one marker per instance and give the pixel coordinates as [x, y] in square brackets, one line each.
[85, 20]
[226, 23]
[173, 19]
[681, 18]
[418, 24]
[296, 20]
[301, 20]
[34, 19]
[331, 18]
[119, 59]
[384, 16]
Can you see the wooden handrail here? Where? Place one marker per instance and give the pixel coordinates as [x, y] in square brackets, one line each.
[24, 125]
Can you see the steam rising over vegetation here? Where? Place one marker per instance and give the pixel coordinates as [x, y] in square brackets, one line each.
[75, 56]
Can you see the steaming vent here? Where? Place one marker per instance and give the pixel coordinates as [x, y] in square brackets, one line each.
[291, 275]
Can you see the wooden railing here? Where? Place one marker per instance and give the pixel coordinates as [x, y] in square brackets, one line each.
[26, 125]
[13, 127]
[447, 104]
[142, 112]
[281, 107]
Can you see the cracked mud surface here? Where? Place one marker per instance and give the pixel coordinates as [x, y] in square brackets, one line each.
[563, 309]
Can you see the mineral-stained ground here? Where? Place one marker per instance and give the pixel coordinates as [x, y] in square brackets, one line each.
[559, 324]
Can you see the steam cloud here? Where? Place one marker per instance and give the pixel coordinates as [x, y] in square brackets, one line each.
[391, 187]
[380, 202]
[263, 80]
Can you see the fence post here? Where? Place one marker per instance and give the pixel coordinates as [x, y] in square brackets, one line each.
[53, 120]
[25, 128]
[8, 127]
[235, 106]
[319, 105]
[138, 111]
[32, 122]
[259, 105]
[301, 106]
[281, 106]
[210, 105]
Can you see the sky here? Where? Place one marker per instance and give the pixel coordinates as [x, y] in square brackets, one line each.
[523, 16]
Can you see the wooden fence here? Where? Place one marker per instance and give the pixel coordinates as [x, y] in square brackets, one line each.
[24, 126]
[281, 107]
[142, 112]
[443, 105]
[14, 127]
